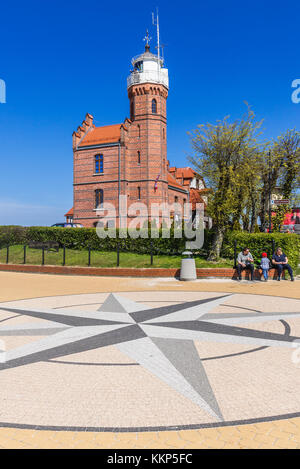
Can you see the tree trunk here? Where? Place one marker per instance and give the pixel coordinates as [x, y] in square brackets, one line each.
[253, 214]
[214, 253]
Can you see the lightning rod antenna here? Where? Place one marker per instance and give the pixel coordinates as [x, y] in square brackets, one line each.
[158, 39]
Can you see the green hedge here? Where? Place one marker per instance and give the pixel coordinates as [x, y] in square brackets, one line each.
[262, 242]
[12, 235]
[83, 238]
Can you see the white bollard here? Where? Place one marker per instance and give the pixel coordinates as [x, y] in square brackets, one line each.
[188, 267]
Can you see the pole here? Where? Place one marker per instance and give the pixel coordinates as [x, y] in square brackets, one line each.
[235, 252]
[158, 44]
[118, 254]
[151, 247]
[64, 255]
[270, 195]
[24, 258]
[89, 263]
[43, 256]
[273, 246]
[7, 254]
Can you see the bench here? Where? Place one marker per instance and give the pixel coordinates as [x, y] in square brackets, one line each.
[47, 245]
[257, 270]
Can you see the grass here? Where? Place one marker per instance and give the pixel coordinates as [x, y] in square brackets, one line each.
[101, 259]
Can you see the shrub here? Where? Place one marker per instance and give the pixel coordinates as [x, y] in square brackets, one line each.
[12, 235]
[262, 242]
[83, 238]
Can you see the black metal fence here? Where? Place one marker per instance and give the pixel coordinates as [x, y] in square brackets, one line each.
[89, 254]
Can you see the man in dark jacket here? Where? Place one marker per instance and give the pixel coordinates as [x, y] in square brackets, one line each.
[280, 262]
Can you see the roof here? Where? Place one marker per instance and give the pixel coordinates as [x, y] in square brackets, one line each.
[70, 213]
[185, 173]
[106, 134]
[195, 197]
[172, 182]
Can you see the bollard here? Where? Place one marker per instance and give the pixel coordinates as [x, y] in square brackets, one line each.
[118, 254]
[64, 255]
[235, 252]
[188, 267]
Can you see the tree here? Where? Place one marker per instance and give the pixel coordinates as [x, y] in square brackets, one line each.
[287, 147]
[227, 154]
[280, 167]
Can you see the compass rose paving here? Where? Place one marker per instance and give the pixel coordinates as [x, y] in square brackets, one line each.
[148, 363]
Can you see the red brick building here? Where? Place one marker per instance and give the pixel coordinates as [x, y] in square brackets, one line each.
[130, 158]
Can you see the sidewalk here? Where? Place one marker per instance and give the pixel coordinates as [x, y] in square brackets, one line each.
[277, 433]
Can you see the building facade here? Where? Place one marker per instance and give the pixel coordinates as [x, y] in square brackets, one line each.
[129, 159]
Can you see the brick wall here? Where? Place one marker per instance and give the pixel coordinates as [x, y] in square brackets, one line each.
[143, 157]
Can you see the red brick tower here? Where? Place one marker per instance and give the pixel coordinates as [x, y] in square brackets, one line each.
[147, 143]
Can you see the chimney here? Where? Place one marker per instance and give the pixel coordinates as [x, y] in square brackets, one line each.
[76, 139]
[89, 120]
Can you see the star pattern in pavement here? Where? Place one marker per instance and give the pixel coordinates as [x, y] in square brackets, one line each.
[159, 339]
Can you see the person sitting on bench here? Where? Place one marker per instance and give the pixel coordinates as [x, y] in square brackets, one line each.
[245, 261]
[280, 262]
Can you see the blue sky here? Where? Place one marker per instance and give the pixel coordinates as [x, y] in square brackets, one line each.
[62, 59]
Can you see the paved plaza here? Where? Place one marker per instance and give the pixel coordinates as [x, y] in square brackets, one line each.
[148, 363]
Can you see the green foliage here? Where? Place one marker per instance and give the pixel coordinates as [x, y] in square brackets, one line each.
[262, 242]
[236, 226]
[279, 217]
[83, 238]
[227, 154]
[12, 235]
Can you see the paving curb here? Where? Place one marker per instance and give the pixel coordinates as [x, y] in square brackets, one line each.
[121, 271]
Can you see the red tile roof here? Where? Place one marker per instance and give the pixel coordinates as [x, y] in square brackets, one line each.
[172, 182]
[106, 134]
[70, 213]
[186, 173]
[195, 197]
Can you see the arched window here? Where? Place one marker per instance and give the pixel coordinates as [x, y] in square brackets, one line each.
[132, 110]
[98, 197]
[139, 193]
[139, 157]
[99, 164]
[139, 131]
[154, 106]
[164, 133]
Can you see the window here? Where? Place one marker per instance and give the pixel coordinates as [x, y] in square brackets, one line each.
[139, 157]
[154, 106]
[98, 197]
[164, 134]
[176, 199]
[139, 131]
[139, 193]
[138, 66]
[99, 164]
[132, 110]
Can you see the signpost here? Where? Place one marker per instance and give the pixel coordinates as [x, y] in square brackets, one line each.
[280, 202]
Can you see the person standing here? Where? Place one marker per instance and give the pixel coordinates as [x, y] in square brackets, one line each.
[245, 261]
[280, 261]
[265, 265]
